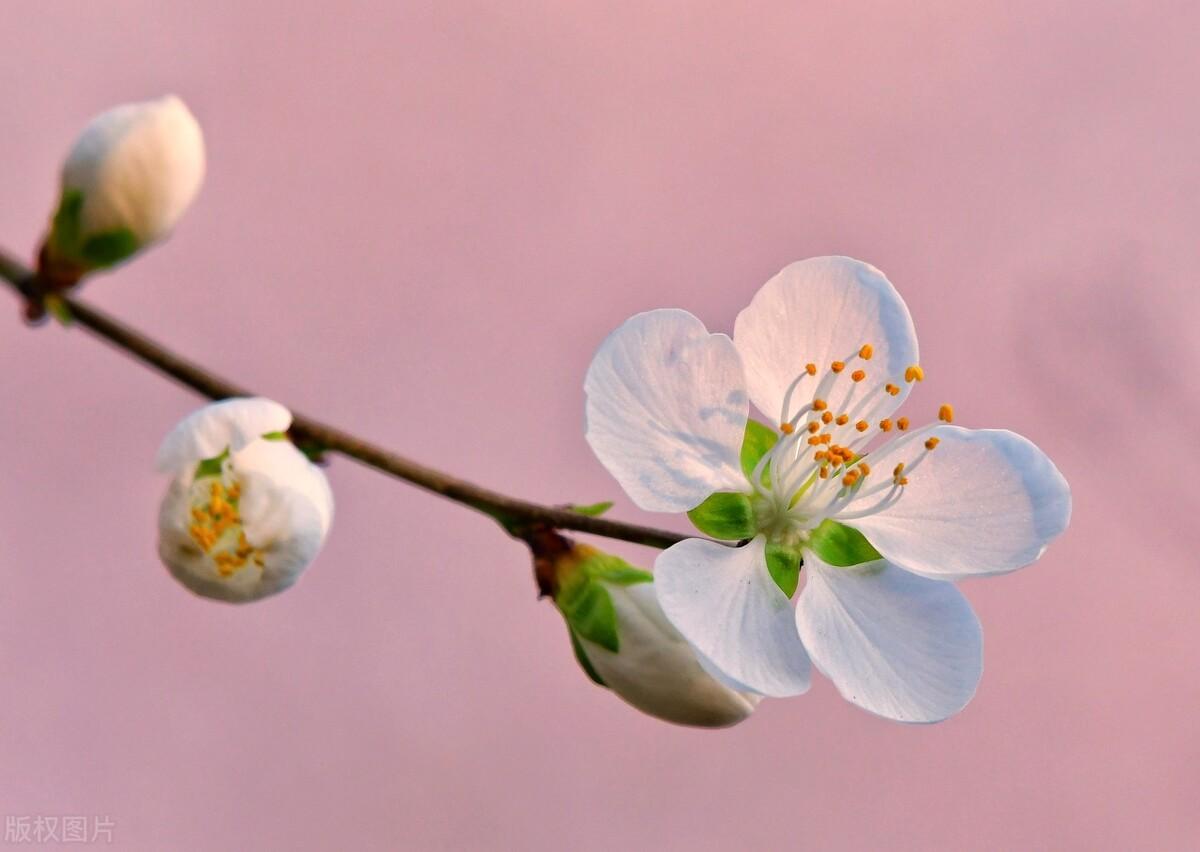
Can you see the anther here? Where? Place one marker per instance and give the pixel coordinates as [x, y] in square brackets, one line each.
[866, 352]
[885, 425]
[892, 389]
[931, 443]
[865, 468]
[811, 369]
[814, 427]
[914, 373]
[787, 428]
[946, 413]
[858, 375]
[899, 469]
[837, 366]
[827, 417]
[862, 425]
[819, 405]
[902, 423]
[849, 479]
[843, 419]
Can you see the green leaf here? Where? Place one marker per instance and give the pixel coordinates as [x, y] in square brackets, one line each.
[275, 436]
[757, 443]
[584, 662]
[614, 569]
[841, 546]
[592, 510]
[211, 467]
[589, 611]
[109, 247]
[783, 563]
[64, 231]
[726, 515]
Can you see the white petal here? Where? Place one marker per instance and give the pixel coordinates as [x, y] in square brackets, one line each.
[666, 410]
[983, 502]
[285, 508]
[724, 602]
[819, 311]
[229, 424]
[656, 671]
[138, 166]
[901, 646]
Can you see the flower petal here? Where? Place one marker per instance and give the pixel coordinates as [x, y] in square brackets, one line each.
[983, 502]
[901, 646]
[819, 311]
[229, 424]
[666, 410]
[724, 602]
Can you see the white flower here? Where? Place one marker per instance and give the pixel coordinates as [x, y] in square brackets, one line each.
[656, 670]
[127, 180]
[828, 348]
[246, 511]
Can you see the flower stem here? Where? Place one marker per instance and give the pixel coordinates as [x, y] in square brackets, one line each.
[521, 518]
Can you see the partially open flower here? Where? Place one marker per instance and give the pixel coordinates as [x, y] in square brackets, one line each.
[246, 511]
[127, 180]
[623, 641]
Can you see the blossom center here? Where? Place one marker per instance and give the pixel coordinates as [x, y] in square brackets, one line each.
[818, 466]
[216, 526]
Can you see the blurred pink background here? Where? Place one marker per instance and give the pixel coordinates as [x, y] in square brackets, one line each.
[419, 221]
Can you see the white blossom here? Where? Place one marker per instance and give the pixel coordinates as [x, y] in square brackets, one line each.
[245, 512]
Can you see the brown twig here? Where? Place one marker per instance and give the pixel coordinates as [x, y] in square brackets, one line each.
[519, 517]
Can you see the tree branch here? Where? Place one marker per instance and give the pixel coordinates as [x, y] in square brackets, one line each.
[520, 517]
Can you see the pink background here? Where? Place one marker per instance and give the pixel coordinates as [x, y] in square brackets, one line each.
[419, 221]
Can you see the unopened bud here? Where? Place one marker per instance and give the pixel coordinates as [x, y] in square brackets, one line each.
[624, 641]
[128, 179]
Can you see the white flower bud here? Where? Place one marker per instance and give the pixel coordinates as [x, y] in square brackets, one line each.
[246, 511]
[128, 179]
[655, 669]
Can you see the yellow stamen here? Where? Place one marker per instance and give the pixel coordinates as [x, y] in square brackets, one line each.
[902, 423]
[820, 405]
[866, 352]
[843, 419]
[814, 427]
[892, 389]
[787, 428]
[827, 417]
[862, 425]
[837, 366]
[811, 369]
[946, 413]
[885, 425]
[858, 375]
[931, 443]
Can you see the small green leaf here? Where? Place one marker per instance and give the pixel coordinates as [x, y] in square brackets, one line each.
[757, 443]
[841, 546]
[211, 467]
[592, 510]
[614, 569]
[110, 247]
[275, 436]
[584, 662]
[589, 611]
[65, 228]
[726, 515]
[57, 307]
[783, 563]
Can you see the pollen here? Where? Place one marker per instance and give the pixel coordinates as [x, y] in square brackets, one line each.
[914, 373]
[946, 413]
[811, 369]
[866, 352]
[217, 529]
[865, 468]
[819, 405]
[885, 425]
[814, 427]
[814, 440]
[858, 375]
[787, 428]
[843, 419]
[862, 425]
[892, 389]
[931, 443]
[902, 423]
[837, 366]
[849, 479]
[827, 417]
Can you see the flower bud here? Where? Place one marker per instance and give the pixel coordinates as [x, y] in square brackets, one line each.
[624, 642]
[246, 511]
[127, 180]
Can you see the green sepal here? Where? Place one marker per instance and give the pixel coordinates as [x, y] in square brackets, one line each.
[592, 510]
[613, 569]
[783, 564]
[211, 467]
[275, 436]
[584, 662]
[588, 608]
[725, 515]
[758, 441]
[64, 229]
[841, 546]
[109, 248]
[57, 307]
